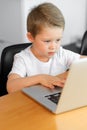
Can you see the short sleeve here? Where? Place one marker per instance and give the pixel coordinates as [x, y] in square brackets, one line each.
[18, 66]
[67, 57]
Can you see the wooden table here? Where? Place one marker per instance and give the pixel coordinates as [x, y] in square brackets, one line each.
[19, 112]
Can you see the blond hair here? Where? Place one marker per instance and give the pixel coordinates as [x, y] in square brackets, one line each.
[45, 14]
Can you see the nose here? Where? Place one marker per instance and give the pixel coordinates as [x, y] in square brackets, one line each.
[52, 45]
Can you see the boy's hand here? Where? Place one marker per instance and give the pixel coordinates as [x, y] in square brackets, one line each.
[51, 81]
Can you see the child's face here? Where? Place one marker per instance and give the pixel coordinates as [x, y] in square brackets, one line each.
[46, 43]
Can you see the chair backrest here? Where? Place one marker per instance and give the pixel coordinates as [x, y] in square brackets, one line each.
[7, 57]
[83, 50]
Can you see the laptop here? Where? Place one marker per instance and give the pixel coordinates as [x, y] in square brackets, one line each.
[73, 95]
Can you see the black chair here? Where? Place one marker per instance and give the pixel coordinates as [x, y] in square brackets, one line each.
[6, 63]
[83, 50]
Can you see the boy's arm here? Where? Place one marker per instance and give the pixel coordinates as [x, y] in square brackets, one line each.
[83, 56]
[15, 82]
[63, 75]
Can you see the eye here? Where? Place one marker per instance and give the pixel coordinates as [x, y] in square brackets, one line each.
[47, 41]
[58, 40]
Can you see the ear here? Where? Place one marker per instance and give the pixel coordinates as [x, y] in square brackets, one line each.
[30, 37]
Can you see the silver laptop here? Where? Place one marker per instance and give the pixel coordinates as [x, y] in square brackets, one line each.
[73, 95]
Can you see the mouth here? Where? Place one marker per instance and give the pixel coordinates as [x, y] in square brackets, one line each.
[51, 53]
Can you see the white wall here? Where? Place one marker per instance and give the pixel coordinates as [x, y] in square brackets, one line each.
[74, 12]
[13, 14]
[10, 20]
[11, 30]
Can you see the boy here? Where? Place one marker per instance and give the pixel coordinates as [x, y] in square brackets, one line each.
[44, 59]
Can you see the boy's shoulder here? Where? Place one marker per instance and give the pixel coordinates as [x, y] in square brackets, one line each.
[23, 53]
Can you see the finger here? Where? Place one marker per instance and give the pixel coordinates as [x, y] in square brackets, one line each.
[49, 86]
[59, 84]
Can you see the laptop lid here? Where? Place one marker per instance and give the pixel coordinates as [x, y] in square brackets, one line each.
[74, 93]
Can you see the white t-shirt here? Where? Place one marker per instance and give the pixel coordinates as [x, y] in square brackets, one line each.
[26, 64]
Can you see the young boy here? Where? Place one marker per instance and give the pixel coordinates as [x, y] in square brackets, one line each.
[44, 59]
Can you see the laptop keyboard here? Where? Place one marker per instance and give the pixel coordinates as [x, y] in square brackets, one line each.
[54, 97]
